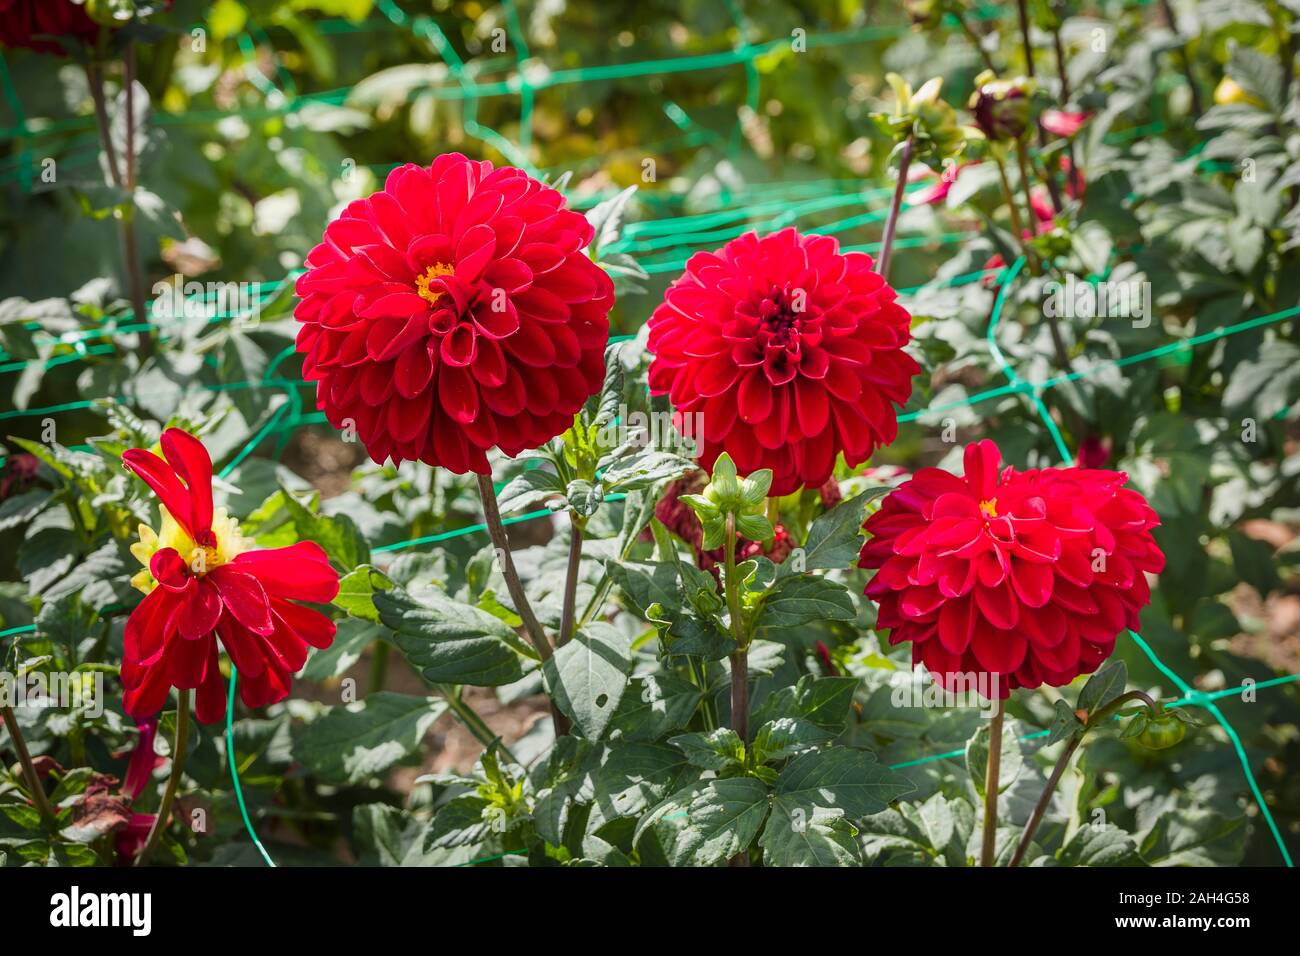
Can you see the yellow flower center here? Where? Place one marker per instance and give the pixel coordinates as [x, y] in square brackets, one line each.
[990, 507]
[433, 272]
[200, 558]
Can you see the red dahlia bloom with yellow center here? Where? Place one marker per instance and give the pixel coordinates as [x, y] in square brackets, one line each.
[454, 311]
[1029, 576]
[790, 350]
[205, 583]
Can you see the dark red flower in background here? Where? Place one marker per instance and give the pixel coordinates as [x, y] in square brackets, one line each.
[1029, 576]
[452, 312]
[792, 352]
[33, 24]
[40, 24]
[203, 581]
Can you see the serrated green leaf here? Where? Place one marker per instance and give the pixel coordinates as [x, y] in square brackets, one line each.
[355, 742]
[450, 642]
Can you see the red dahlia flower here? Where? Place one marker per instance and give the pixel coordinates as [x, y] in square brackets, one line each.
[1029, 576]
[203, 581]
[453, 311]
[792, 352]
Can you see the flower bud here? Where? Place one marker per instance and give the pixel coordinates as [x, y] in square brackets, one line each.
[924, 13]
[1001, 107]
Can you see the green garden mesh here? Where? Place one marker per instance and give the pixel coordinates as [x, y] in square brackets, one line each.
[661, 245]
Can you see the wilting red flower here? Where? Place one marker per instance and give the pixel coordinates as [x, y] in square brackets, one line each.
[129, 840]
[1029, 576]
[453, 311]
[791, 351]
[203, 581]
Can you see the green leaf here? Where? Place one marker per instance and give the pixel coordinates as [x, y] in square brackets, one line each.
[22, 508]
[709, 822]
[785, 737]
[585, 497]
[645, 583]
[1254, 561]
[803, 599]
[461, 822]
[719, 749]
[1105, 845]
[388, 836]
[587, 676]
[842, 778]
[1103, 686]
[1064, 722]
[834, 539]
[800, 835]
[338, 534]
[529, 489]
[355, 742]
[822, 701]
[351, 638]
[66, 622]
[357, 592]
[633, 777]
[450, 642]
[645, 469]
[977, 758]
[654, 705]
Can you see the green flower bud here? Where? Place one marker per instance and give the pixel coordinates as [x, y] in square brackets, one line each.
[1002, 107]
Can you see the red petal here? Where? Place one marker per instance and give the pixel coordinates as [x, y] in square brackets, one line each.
[244, 597]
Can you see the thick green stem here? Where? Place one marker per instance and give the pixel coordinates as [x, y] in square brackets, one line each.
[740, 657]
[473, 722]
[992, 773]
[35, 790]
[532, 627]
[497, 532]
[379, 653]
[891, 223]
[1043, 801]
[174, 781]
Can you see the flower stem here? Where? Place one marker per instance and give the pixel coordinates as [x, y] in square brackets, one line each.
[497, 531]
[473, 722]
[34, 787]
[891, 223]
[576, 526]
[1041, 807]
[1025, 42]
[1185, 59]
[1063, 74]
[379, 652]
[991, 774]
[975, 40]
[739, 657]
[124, 178]
[1010, 197]
[173, 782]
[1026, 183]
[532, 627]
